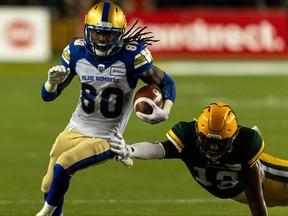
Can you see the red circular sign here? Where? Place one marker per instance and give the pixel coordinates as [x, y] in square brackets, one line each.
[20, 33]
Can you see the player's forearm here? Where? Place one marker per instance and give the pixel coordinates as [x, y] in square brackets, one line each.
[147, 150]
[255, 198]
[168, 88]
[258, 210]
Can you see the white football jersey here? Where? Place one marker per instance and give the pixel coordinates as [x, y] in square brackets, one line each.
[106, 88]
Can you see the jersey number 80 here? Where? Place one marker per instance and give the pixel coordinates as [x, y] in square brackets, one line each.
[107, 108]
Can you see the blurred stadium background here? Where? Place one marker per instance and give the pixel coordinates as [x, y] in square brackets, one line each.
[233, 51]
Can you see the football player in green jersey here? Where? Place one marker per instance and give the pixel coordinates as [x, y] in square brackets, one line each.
[223, 157]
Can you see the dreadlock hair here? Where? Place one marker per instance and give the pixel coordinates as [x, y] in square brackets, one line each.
[138, 35]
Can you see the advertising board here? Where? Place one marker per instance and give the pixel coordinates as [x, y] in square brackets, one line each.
[25, 34]
[212, 33]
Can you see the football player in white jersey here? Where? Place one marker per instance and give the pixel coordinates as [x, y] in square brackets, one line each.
[108, 63]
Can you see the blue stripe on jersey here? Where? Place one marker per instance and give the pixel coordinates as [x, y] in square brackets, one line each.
[105, 12]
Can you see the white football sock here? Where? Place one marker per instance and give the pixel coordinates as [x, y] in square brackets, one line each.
[47, 210]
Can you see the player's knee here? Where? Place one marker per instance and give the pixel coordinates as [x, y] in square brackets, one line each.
[66, 160]
[46, 183]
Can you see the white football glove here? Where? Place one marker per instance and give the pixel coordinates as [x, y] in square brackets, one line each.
[158, 114]
[128, 162]
[58, 74]
[123, 151]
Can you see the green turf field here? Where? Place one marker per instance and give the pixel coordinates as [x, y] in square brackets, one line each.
[151, 188]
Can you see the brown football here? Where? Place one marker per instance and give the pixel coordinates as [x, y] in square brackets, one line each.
[145, 93]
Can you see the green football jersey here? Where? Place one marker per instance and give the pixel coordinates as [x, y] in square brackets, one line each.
[219, 179]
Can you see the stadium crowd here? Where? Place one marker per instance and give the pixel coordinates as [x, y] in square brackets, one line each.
[68, 8]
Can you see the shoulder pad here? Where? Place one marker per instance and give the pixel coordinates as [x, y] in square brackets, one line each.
[74, 45]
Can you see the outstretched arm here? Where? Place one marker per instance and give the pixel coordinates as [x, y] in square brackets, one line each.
[253, 190]
[145, 150]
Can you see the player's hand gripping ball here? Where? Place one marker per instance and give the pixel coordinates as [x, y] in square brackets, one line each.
[146, 96]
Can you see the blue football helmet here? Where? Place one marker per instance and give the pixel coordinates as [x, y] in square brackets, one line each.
[104, 29]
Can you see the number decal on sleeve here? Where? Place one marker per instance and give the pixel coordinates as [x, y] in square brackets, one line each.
[131, 47]
[110, 103]
[79, 42]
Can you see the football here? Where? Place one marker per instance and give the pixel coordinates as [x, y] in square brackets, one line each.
[143, 95]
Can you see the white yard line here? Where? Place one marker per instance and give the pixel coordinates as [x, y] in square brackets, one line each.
[233, 68]
[120, 201]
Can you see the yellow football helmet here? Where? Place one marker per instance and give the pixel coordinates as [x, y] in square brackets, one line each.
[104, 29]
[216, 129]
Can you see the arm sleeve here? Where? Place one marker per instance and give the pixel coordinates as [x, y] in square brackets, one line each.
[168, 88]
[147, 150]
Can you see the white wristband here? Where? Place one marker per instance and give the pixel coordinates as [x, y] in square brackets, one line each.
[167, 106]
[50, 87]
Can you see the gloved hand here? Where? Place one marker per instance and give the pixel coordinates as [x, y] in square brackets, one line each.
[58, 74]
[128, 162]
[158, 114]
[123, 151]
